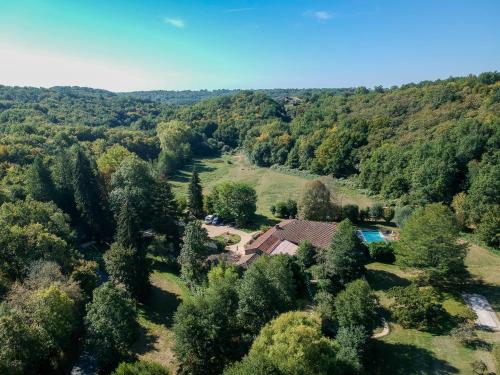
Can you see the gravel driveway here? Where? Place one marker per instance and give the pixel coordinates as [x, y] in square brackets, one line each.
[486, 316]
[217, 230]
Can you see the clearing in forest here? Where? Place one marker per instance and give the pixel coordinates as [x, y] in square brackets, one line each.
[272, 185]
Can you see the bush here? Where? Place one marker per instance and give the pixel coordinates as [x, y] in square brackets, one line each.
[382, 252]
[415, 307]
[402, 214]
[388, 214]
[285, 209]
[140, 368]
[464, 334]
[364, 214]
[377, 211]
[351, 212]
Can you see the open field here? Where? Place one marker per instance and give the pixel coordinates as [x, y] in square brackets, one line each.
[271, 185]
[408, 351]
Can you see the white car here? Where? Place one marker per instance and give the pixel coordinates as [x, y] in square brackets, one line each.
[208, 219]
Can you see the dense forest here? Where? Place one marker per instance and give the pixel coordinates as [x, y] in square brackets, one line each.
[86, 206]
[385, 139]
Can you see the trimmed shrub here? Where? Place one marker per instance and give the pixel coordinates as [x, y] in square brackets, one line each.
[382, 252]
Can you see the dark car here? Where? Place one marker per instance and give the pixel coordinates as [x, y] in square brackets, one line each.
[217, 220]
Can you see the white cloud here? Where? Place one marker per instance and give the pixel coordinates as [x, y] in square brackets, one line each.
[322, 15]
[175, 22]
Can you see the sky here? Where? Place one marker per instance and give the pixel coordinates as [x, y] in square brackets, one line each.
[126, 45]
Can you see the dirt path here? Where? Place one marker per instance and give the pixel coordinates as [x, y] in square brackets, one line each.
[156, 319]
[218, 230]
[385, 331]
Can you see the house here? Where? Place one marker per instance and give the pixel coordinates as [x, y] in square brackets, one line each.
[285, 237]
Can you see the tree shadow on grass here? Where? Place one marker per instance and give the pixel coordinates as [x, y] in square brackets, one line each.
[145, 342]
[184, 174]
[383, 280]
[404, 359]
[161, 306]
[259, 221]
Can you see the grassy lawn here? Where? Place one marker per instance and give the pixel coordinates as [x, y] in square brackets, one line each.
[156, 317]
[228, 239]
[408, 351]
[271, 185]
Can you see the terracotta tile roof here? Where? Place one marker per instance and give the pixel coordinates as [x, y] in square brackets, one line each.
[285, 247]
[295, 231]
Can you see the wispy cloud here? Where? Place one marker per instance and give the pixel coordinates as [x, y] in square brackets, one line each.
[175, 22]
[322, 15]
[319, 15]
[237, 10]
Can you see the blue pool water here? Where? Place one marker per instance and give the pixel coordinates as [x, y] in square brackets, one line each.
[370, 236]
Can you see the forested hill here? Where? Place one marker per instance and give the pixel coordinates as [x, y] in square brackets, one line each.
[187, 97]
[412, 144]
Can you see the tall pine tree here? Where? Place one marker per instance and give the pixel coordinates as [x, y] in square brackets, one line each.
[165, 210]
[89, 195]
[39, 182]
[62, 175]
[195, 195]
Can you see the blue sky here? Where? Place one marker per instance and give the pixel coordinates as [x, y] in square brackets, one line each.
[126, 45]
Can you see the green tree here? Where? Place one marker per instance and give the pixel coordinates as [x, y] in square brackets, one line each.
[62, 175]
[344, 261]
[89, 195]
[429, 242]
[266, 290]
[402, 214]
[111, 160]
[488, 229]
[19, 354]
[205, 329]
[233, 200]
[484, 188]
[111, 323]
[195, 195]
[165, 210]
[129, 267]
[351, 212]
[306, 255]
[314, 202]
[459, 205]
[356, 306]
[23, 245]
[39, 182]
[132, 199]
[352, 341]
[292, 344]
[193, 254]
[140, 368]
[85, 274]
[377, 211]
[29, 211]
[415, 307]
[53, 315]
[388, 214]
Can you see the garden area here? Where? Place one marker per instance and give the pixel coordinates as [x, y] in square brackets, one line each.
[412, 351]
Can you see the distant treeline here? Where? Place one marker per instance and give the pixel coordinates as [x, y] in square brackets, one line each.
[188, 97]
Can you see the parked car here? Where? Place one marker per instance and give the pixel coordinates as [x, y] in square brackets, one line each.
[209, 219]
[217, 220]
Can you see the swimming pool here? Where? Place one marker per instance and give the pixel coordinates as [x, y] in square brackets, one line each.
[370, 236]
